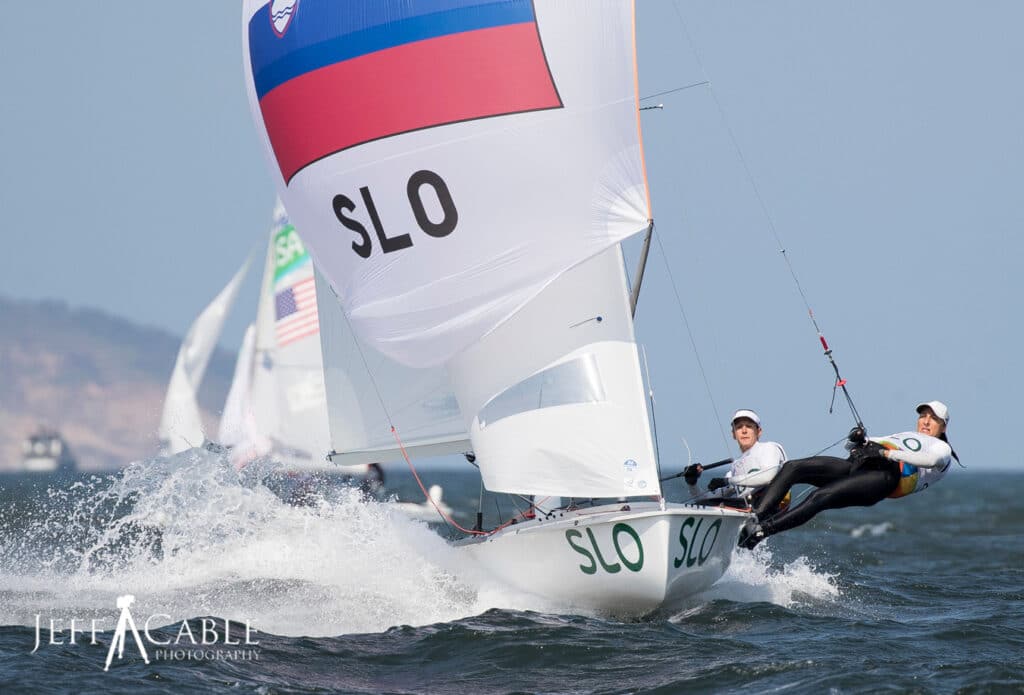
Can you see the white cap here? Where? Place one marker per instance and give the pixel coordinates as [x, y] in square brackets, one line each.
[749, 414]
[938, 407]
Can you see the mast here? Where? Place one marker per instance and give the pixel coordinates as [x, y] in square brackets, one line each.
[634, 295]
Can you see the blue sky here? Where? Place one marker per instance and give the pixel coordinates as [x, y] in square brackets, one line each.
[884, 140]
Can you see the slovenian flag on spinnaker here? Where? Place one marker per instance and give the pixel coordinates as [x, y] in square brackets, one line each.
[391, 69]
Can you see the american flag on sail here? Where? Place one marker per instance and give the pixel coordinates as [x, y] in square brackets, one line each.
[295, 312]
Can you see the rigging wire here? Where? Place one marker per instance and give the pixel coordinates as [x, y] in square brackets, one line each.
[673, 91]
[654, 421]
[394, 430]
[840, 382]
[693, 342]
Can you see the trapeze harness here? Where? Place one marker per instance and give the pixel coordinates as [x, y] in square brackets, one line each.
[923, 460]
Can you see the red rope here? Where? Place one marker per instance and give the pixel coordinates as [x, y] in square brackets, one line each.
[401, 447]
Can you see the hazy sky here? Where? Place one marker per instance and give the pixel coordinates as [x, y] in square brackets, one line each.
[884, 138]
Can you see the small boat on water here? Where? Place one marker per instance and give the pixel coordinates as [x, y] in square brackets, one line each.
[45, 451]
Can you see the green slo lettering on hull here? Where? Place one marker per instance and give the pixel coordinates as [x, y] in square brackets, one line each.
[690, 544]
[627, 529]
[585, 569]
[610, 569]
[714, 527]
[595, 558]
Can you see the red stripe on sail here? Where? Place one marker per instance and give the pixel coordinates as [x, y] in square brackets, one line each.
[458, 77]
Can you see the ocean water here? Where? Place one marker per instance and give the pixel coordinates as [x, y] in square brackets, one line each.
[343, 594]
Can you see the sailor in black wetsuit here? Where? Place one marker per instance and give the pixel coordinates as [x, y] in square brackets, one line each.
[880, 467]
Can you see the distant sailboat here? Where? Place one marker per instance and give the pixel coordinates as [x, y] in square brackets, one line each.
[463, 173]
[277, 406]
[181, 427]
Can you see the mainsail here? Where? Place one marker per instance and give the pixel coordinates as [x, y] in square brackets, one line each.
[180, 424]
[462, 172]
[286, 391]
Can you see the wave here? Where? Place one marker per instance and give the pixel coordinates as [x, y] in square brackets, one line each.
[872, 529]
[189, 536]
[752, 578]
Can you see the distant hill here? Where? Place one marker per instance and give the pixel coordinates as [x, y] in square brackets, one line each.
[97, 378]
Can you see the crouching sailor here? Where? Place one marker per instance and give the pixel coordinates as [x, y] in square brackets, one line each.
[756, 466]
[876, 468]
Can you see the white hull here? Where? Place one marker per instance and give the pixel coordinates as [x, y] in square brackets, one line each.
[621, 560]
[43, 464]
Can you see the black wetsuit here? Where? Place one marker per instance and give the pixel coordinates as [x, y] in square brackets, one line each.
[839, 482]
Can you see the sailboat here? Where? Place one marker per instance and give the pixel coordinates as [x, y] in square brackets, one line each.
[276, 406]
[285, 383]
[181, 427]
[464, 172]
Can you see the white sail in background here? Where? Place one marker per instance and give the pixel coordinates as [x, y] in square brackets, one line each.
[237, 423]
[180, 425]
[286, 390]
[263, 383]
[445, 159]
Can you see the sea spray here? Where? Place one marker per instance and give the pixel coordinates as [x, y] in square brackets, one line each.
[751, 577]
[191, 537]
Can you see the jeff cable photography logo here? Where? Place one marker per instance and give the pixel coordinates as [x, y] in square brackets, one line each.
[212, 640]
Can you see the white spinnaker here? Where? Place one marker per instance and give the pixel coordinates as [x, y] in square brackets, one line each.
[554, 398]
[180, 425]
[237, 424]
[367, 392]
[536, 193]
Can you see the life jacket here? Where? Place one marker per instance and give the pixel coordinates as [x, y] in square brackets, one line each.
[908, 480]
[908, 476]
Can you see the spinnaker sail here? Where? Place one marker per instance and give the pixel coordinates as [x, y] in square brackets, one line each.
[447, 159]
[462, 172]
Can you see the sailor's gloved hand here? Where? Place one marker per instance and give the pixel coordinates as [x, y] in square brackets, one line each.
[717, 483]
[865, 452]
[691, 473]
[857, 436]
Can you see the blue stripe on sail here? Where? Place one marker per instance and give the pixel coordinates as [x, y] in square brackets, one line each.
[318, 37]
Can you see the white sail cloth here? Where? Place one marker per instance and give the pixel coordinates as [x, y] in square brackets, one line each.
[367, 393]
[462, 172]
[482, 207]
[237, 424]
[180, 425]
[284, 409]
[554, 398]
